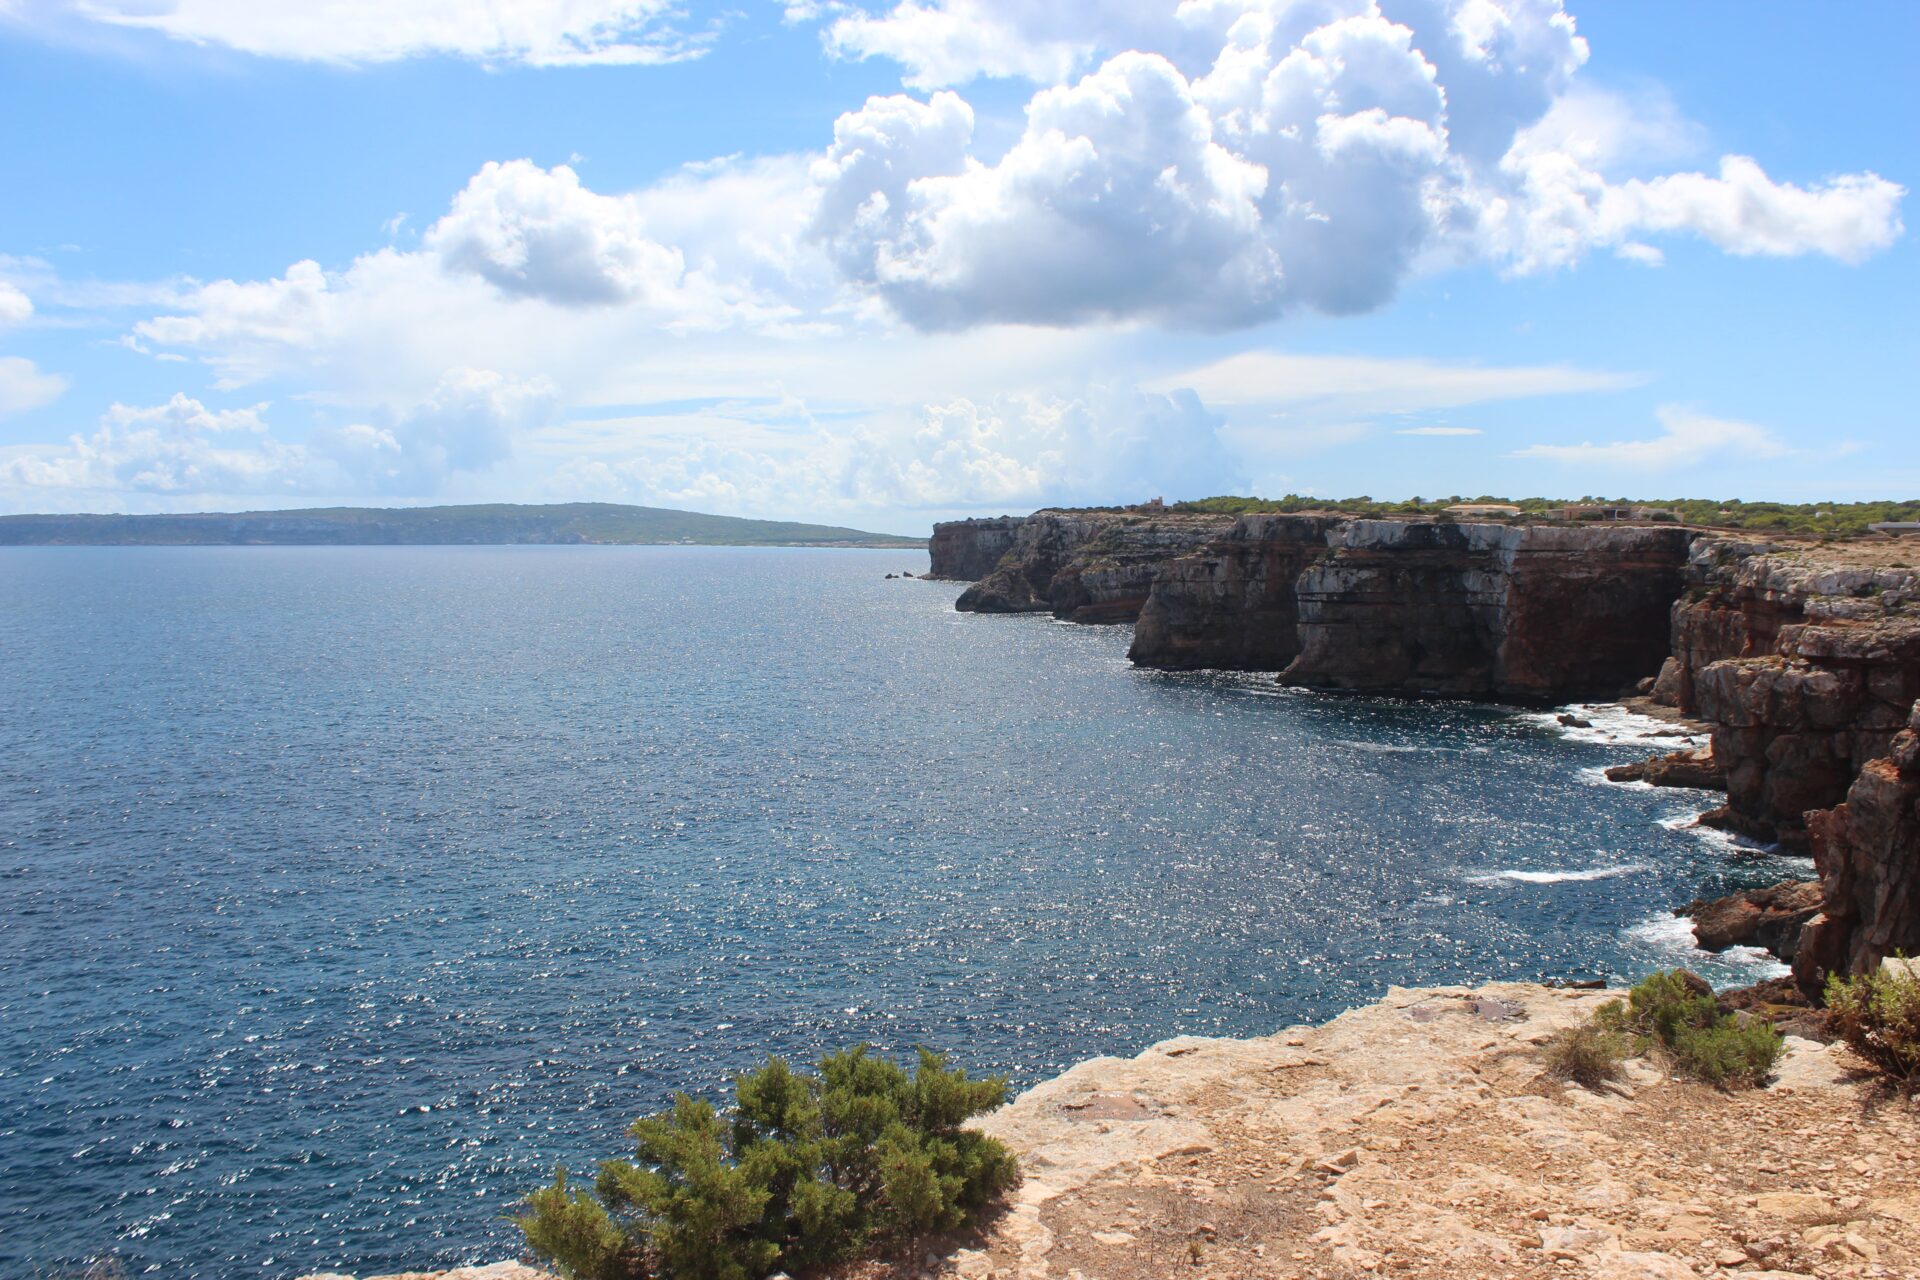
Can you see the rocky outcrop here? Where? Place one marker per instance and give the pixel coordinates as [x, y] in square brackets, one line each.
[1695, 768]
[1805, 660]
[1231, 604]
[1416, 1136]
[1867, 852]
[1769, 918]
[967, 550]
[1086, 566]
[1524, 612]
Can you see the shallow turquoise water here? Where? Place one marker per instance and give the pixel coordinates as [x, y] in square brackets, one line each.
[347, 890]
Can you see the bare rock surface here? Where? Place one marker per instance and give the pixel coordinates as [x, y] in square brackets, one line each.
[491, 1271]
[1416, 1137]
[1525, 612]
[1805, 658]
[1771, 917]
[1696, 769]
[1867, 851]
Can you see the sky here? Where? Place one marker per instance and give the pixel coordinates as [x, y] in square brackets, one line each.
[892, 261]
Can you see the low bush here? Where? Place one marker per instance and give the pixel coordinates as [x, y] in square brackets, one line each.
[1878, 1015]
[805, 1170]
[1588, 1054]
[1675, 1013]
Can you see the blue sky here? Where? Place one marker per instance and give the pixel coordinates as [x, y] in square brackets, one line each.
[886, 263]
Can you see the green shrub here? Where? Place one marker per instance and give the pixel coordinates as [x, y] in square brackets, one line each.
[804, 1171]
[1734, 1052]
[1675, 1013]
[1588, 1054]
[1878, 1015]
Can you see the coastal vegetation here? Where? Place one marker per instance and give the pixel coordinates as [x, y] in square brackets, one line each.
[1878, 1015]
[1672, 1014]
[804, 1170]
[1833, 519]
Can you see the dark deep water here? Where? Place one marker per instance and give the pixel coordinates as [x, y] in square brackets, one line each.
[347, 890]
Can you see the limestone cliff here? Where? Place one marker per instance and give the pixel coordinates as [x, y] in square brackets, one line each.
[1522, 612]
[1231, 604]
[1805, 659]
[967, 550]
[1867, 851]
[1086, 566]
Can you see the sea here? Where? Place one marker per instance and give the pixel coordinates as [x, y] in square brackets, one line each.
[347, 892]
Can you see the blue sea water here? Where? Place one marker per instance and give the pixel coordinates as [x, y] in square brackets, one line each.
[346, 891]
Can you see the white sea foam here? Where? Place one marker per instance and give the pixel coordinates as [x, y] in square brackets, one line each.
[1560, 877]
[1379, 748]
[1735, 845]
[1611, 725]
[1672, 937]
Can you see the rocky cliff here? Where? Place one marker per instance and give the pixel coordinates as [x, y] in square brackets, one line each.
[1231, 604]
[1805, 659]
[967, 550]
[1522, 612]
[1867, 852]
[1086, 566]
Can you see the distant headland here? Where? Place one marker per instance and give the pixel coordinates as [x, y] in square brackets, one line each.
[577, 523]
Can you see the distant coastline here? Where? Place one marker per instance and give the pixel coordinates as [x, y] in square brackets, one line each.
[491, 524]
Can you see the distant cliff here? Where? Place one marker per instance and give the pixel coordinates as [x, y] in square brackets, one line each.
[491, 523]
[1407, 606]
[1519, 612]
[967, 550]
[1085, 566]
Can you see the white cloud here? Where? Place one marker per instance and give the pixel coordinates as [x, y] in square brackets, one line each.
[1439, 431]
[468, 424]
[15, 306]
[1005, 451]
[544, 33]
[24, 386]
[1375, 385]
[1687, 439]
[538, 233]
[1118, 169]
[182, 451]
[1261, 156]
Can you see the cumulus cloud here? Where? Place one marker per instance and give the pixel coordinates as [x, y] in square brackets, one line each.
[15, 306]
[1317, 156]
[24, 386]
[467, 424]
[184, 449]
[545, 33]
[1687, 439]
[538, 233]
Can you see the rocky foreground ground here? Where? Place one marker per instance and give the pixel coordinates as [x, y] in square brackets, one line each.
[1417, 1137]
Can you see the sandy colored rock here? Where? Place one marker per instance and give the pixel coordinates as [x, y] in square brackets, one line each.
[1416, 1137]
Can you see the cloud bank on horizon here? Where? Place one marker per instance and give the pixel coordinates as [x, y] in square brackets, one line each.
[935, 310]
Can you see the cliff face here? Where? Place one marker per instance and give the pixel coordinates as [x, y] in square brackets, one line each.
[1867, 851]
[967, 550]
[1476, 610]
[1086, 566]
[1805, 660]
[1231, 604]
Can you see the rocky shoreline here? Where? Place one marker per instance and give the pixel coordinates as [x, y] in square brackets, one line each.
[1418, 1136]
[1799, 659]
